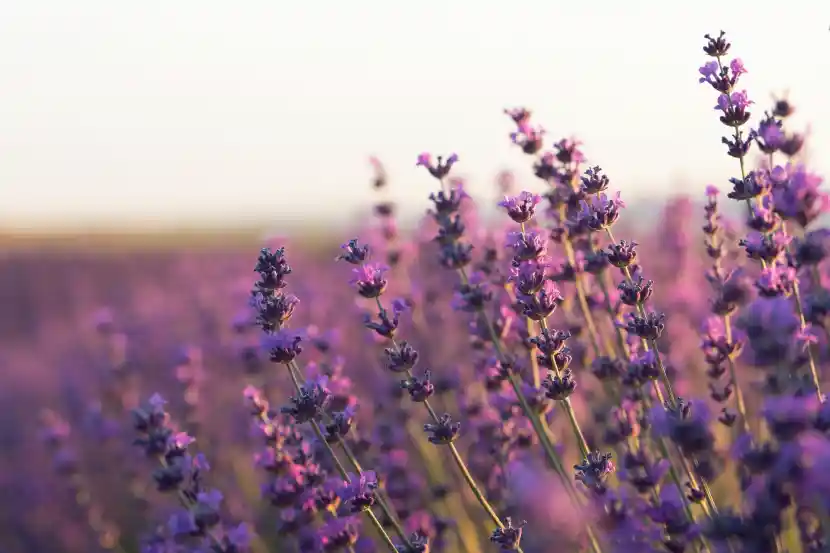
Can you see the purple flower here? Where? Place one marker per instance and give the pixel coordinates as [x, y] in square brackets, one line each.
[635, 292]
[601, 212]
[528, 138]
[442, 431]
[648, 327]
[420, 389]
[441, 168]
[518, 115]
[521, 208]
[766, 247]
[709, 72]
[370, 280]
[716, 47]
[530, 276]
[594, 469]
[799, 199]
[776, 281]
[622, 255]
[353, 252]
[310, 401]
[283, 346]
[387, 326]
[472, 295]
[559, 388]
[359, 491]
[737, 67]
[528, 245]
[734, 107]
[509, 537]
[594, 182]
[338, 534]
[541, 305]
[568, 152]
[753, 185]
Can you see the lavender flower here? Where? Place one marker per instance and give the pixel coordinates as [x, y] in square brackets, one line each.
[521, 208]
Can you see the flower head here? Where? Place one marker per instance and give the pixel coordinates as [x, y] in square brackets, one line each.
[370, 280]
[521, 208]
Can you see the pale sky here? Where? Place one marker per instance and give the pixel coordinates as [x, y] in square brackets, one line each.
[185, 110]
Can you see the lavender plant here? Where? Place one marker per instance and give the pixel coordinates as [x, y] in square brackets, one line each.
[540, 383]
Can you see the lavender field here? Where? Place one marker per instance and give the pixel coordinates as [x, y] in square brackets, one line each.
[562, 378]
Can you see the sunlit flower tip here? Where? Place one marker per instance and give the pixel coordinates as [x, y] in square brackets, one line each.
[370, 280]
[424, 160]
[521, 208]
[251, 392]
[712, 191]
[353, 252]
[180, 440]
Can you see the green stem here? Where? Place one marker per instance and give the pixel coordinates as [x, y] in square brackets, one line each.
[292, 370]
[535, 421]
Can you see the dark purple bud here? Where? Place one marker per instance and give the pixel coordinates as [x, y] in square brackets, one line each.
[521, 208]
[456, 255]
[508, 538]
[283, 346]
[401, 357]
[622, 255]
[716, 47]
[353, 252]
[594, 182]
[310, 401]
[649, 326]
[443, 431]
[440, 168]
[635, 293]
[593, 471]
[420, 389]
[559, 388]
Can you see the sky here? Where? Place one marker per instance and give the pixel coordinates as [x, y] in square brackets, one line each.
[180, 112]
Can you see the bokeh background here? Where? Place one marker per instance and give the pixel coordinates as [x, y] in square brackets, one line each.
[148, 149]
